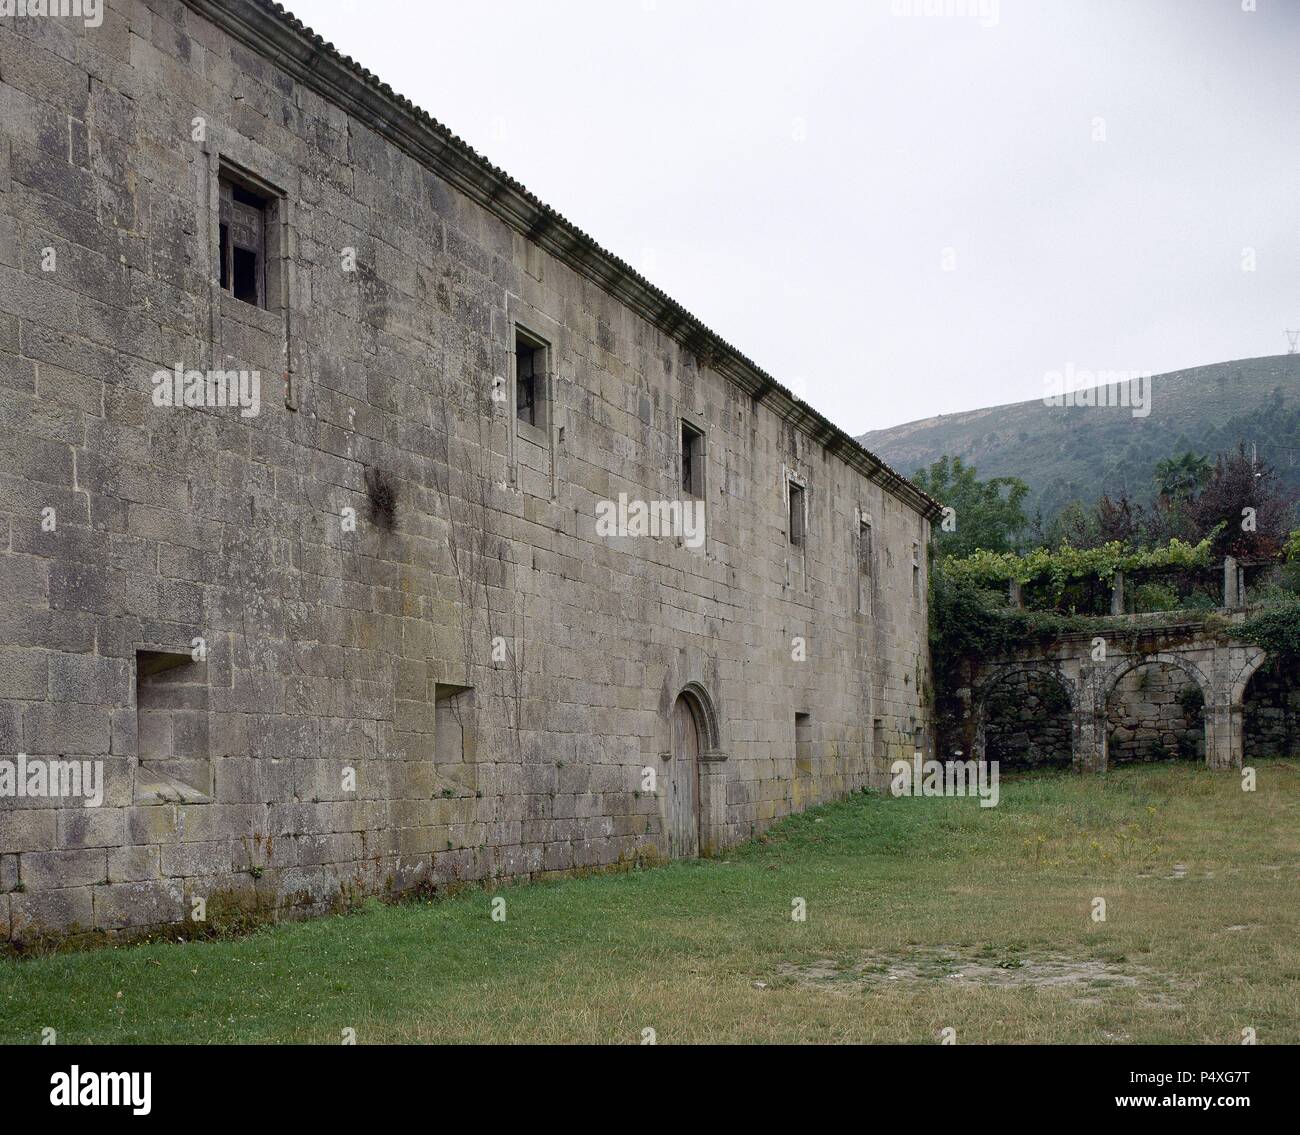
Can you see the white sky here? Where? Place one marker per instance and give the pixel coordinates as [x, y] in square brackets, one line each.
[793, 172]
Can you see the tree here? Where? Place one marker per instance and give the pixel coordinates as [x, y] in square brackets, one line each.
[1181, 478]
[1121, 519]
[985, 514]
[1246, 498]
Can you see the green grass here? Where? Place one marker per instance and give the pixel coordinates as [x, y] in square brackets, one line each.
[708, 952]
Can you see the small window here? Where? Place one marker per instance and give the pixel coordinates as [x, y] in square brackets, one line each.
[803, 743]
[692, 461]
[243, 243]
[796, 515]
[530, 379]
[916, 571]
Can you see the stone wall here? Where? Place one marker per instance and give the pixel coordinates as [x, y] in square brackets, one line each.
[1272, 711]
[1155, 714]
[468, 682]
[1027, 722]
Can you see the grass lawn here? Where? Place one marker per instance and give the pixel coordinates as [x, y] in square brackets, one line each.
[922, 914]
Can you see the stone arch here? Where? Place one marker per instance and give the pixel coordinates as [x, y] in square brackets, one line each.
[1029, 671]
[706, 716]
[1237, 690]
[1111, 678]
[1268, 721]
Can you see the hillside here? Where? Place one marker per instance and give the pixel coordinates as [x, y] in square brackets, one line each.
[1070, 452]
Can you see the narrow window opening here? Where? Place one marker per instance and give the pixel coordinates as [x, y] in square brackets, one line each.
[225, 257]
[796, 515]
[530, 380]
[692, 461]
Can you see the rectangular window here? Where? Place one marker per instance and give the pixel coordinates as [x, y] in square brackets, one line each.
[530, 379]
[243, 243]
[803, 743]
[916, 571]
[692, 461]
[796, 529]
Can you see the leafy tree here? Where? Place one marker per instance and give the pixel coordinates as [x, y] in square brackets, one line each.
[1181, 478]
[1246, 498]
[1119, 519]
[986, 514]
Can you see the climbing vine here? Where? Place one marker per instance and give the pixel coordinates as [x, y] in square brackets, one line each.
[1066, 563]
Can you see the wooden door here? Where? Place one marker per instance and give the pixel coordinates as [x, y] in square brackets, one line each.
[684, 790]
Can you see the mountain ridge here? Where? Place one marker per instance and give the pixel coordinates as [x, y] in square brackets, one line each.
[1069, 453]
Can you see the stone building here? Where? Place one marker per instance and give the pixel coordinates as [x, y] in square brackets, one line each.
[366, 525]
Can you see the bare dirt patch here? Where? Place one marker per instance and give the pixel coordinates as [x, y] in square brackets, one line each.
[1085, 979]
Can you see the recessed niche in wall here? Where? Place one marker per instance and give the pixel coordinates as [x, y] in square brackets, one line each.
[171, 707]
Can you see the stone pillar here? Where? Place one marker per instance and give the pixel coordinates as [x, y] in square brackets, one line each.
[1231, 589]
[714, 837]
[1117, 594]
[1088, 734]
[1013, 594]
[1224, 737]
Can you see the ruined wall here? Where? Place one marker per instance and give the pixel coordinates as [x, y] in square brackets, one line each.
[1027, 722]
[1271, 715]
[492, 672]
[1155, 714]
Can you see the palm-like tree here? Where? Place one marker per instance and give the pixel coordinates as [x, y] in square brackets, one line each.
[1181, 478]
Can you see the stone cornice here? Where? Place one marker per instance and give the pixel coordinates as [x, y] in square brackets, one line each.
[277, 35]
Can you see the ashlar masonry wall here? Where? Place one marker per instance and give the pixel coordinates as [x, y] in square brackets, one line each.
[369, 636]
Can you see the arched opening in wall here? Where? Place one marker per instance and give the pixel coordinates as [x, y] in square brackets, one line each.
[683, 788]
[1271, 710]
[1155, 712]
[1027, 721]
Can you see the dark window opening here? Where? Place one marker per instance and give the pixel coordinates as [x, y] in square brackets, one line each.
[796, 515]
[245, 272]
[243, 243]
[530, 378]
[692, 462]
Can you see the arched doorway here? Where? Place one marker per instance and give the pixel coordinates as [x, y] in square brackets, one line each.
[684, 781]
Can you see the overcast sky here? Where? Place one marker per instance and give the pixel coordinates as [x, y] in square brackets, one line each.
[798, 174]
